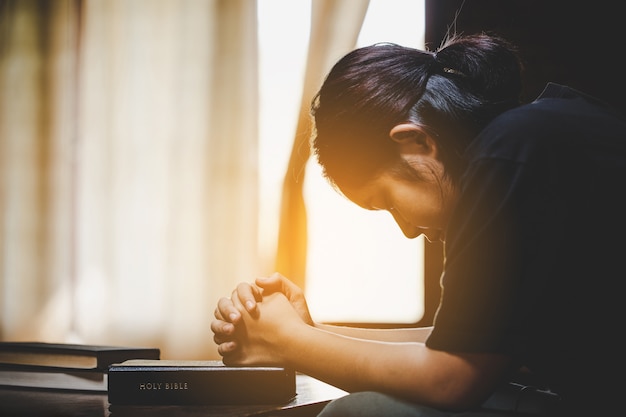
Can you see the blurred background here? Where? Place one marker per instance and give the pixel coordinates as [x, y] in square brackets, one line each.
[153, 154]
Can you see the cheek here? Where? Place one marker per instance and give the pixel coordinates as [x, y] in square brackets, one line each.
[422, 205]
[426, 189]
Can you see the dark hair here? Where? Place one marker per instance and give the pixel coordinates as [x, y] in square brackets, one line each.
[453, 93]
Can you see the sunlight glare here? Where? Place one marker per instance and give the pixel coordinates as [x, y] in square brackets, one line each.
[360, 266]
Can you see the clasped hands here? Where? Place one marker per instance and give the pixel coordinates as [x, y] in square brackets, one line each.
[253, 324]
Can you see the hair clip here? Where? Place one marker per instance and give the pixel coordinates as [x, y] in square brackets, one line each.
[453, 71]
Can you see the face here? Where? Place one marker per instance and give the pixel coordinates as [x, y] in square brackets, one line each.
[418, 206]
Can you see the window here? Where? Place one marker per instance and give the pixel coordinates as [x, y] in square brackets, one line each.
[353, 254]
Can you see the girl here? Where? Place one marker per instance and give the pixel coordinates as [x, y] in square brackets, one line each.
[528, 199]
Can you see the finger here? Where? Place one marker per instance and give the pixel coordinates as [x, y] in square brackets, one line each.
[217, 314]
[278, 283]
[251, 307]
[226, 348]
[222, 328]
[232, 359]
[220, 338]
[273, 283]
[227, 311]
[248, 295]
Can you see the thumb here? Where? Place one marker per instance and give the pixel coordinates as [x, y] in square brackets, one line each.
[277, 283]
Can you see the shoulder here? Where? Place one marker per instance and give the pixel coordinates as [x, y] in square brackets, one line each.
[559, 117]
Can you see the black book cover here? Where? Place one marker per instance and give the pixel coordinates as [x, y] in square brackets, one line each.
[31, 402]
[65, 355]
[53, 378]
[167, 382]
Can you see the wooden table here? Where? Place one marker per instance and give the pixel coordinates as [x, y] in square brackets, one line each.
[311, 397]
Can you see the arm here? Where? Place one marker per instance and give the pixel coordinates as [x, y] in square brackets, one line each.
[279, 331]
[277, 335]
[417, 334]
[249, 294]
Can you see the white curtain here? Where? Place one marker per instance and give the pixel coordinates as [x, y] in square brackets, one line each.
[128, 140]
[335, 27]
[128, 164]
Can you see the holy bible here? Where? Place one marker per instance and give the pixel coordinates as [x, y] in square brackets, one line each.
[173, 382]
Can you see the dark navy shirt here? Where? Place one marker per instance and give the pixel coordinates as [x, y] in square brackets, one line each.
[535, 252]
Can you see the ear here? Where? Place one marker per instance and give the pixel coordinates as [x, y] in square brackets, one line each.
[413, 139]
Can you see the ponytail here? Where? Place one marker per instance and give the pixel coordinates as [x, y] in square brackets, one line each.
[487, 65]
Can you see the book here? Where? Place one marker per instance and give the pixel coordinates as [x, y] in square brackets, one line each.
[27, 402]
[63, 355]
[183, 382]
[26, 376]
